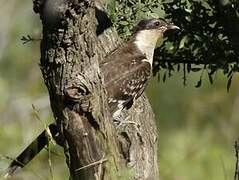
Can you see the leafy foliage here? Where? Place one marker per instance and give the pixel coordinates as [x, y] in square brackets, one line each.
[207, 42]
[28, 38]
[125, 14]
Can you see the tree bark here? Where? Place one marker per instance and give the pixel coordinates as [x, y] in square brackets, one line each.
[76, 37]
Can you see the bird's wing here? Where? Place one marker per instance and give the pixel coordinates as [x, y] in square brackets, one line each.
[126, 79]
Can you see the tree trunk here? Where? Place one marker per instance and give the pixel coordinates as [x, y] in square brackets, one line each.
[76, 37]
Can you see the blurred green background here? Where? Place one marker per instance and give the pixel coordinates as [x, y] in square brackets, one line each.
[197, 126]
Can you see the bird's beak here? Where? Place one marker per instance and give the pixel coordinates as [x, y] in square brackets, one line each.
[173, 27]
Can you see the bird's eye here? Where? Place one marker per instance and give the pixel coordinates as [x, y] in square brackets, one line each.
[156, 23]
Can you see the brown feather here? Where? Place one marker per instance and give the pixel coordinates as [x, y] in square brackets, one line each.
[126, 79]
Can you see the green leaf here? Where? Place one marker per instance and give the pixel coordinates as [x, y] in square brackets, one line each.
[178, 67]
[167, 1]
[159, 77]
[229, 82]
[124, 23]
[189, 68]
[210, 78]
[183, 41]
[152, 15]
[199, 83]
[194, 69]
[164, 76]
[159, 12]
[230, 73]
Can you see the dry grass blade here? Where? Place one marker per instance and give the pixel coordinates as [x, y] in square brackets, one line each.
[101, 161]
[236, 175]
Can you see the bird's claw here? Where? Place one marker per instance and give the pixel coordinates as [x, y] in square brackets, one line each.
[125, 121]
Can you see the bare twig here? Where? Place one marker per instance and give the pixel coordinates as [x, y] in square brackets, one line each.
[101, 161]
[26, 39]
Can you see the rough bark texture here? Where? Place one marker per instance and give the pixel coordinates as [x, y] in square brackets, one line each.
[76, 36]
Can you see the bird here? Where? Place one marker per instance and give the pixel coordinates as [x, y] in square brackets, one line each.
[126, 72]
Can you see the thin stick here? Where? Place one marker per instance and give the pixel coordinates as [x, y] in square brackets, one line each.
[101, 161]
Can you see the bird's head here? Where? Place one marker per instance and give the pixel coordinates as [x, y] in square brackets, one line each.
[148, 35]
[154, 24]
[150, 31]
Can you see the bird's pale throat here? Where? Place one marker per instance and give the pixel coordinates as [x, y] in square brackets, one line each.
[146, 41]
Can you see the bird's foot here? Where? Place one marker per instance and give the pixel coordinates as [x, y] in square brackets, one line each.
[123, 121]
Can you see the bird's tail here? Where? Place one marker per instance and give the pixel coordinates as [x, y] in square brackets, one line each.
[33, 149]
